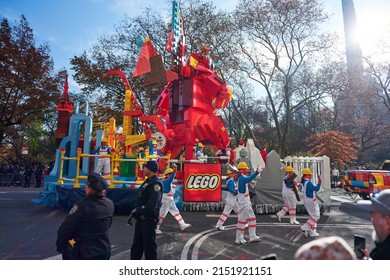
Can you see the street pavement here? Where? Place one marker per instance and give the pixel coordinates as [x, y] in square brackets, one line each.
[28, 231]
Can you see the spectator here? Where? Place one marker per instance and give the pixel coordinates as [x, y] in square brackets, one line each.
[326, 248]
[27, 176]
[335, 176]
[379, 208]
[38, 175]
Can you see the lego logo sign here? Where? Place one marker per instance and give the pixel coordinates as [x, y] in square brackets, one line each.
[202, 182]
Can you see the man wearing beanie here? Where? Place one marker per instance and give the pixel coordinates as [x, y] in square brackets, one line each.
[147, 207]
[84, 235]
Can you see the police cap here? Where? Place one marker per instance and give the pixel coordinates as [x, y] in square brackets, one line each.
[96, 182]
[152, 165]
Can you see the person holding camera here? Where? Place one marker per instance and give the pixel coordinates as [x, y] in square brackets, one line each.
[146, 213]
[84, 235]
[379, 208]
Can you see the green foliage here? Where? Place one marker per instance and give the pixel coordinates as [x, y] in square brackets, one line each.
[27, 85]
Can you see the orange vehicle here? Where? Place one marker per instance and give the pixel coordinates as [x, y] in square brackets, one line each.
[366, 182]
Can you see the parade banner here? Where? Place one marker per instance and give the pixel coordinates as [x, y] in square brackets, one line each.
[202, 182]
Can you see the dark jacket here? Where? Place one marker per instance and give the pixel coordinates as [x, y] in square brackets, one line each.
[88, 223]
[382, 250]
[149, 196]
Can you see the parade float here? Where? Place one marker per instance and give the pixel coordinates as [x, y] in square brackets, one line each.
[186, 120]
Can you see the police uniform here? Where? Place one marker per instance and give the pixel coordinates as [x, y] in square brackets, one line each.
[88, 224]
[147, 207]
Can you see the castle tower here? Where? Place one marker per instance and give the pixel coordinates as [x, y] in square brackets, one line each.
[65, 109]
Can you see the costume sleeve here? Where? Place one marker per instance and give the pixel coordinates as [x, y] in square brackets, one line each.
[230, 187]
[168, 182]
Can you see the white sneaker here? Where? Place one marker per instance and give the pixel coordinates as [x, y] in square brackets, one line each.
[221, 228]
[185, 226]
[255, 239]
[305, 229]
[241, 241]
[313, 233]
[279, 218]
[158, 232]
[294, 222]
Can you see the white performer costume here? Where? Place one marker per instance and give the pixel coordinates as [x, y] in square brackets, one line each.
[103, 162]
[245, 210]
[311, 204]
[168, 203]
[231, 203]
[290, 201]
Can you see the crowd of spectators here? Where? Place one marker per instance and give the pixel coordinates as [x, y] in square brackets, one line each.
[23, 175]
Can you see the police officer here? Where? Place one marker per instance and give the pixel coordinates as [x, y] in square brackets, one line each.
[147, 207]
[85, 232]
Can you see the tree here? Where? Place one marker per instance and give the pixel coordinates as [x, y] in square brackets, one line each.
[338, 146]
[28, 89]
[277, 42]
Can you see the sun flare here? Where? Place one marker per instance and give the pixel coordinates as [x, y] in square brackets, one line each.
[372, 27]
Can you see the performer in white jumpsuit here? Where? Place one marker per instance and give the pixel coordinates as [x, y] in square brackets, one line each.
[168, 203]
[290, 201]
[310, 202]
[231, 201]
[245, 210]
[103, 162]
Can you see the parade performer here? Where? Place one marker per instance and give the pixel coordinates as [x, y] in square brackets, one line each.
[199, 152]
[231, 200]
[103, 162]
[153, 152]
[245, 210]
[168, 203]
[289, 197]
[147, 208]
[310, 202]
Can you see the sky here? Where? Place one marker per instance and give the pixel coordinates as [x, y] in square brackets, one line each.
[72, 26]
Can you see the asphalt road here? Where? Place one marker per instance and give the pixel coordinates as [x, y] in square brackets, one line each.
[28, 231]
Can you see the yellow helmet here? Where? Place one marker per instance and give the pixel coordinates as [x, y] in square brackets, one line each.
[140, 149]
[242, 165]
[229, 172]
[200, 145]
[167, 171]
[289, 169]
[154, 142]
[306, 171]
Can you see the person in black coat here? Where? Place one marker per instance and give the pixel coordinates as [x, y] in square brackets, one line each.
[379, 208]
[146, 213]
[84, 234]
[38, 175]
[27, 176]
